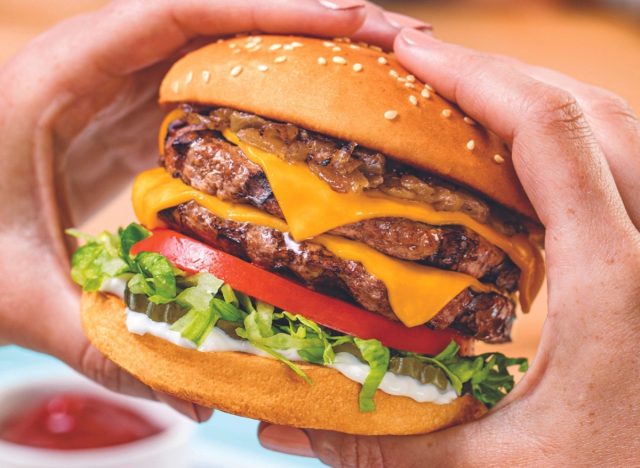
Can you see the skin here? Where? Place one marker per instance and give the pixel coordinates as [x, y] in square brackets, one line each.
[79, 119]
[576, 150]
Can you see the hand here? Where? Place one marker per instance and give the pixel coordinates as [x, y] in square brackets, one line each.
[576, 149]
[79, 119]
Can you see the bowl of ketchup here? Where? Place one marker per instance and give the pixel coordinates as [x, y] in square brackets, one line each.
[70, 422]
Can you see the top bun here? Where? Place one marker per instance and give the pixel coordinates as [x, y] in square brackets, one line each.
[353, 93]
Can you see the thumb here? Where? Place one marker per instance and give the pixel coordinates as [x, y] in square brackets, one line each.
[498, 438]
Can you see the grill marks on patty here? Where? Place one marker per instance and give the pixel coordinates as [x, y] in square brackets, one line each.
[205, 161]
[484, 316]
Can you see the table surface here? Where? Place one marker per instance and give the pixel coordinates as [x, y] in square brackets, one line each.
[595, 46]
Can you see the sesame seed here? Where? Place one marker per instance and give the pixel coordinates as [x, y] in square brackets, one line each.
[410, 85]
[357, 67]
[471, 145]
[236, 51]
[296, 44]
[256, 48]
[425, 93]
[233, 45]
[498, 159]
[354, 46]
[394, 73]
[175, 87]
[390, 114]
[263, 68]
[382, 60]
[468, 120]
[413, 100]
[275, 47]
[189, 78]
[288, 47]
[428, 87]
[280, 59]
[336, 49]
[328, 44]
[339, 60]
[235, 71]
[251, 45]
[411, 78]
[322, 61]
[376, 48]
[206, 76]
[446, 113]
[402, 80]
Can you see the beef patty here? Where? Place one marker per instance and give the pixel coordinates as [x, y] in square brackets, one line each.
[210, 164]
[484, 316]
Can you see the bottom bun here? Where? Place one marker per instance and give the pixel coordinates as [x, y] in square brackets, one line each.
[258, 387]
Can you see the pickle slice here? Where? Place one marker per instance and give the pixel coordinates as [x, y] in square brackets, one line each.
[168, 313]
[425, 373]
[229, 328]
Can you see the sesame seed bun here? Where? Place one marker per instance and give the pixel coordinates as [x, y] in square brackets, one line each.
[350, 92]
[258, 387]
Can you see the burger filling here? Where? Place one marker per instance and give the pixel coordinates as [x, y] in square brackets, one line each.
[199, 311]
[434, 265]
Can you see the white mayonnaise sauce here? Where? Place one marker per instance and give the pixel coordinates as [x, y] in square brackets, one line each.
[345, 363]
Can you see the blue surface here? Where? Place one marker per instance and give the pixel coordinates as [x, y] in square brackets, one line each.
[225, 440]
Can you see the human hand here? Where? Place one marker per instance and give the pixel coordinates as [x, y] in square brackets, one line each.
[79, 119]
[576, 150]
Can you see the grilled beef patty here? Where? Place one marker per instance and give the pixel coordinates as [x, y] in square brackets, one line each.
[484, 316]
[212, 165]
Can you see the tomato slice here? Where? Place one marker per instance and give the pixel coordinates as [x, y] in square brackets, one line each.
[193, 256]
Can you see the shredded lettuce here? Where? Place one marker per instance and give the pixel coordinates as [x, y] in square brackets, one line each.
[377, 356]
[277, 332]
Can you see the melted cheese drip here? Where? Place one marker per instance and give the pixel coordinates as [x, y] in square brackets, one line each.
[416, 292]
[155, 190]
[311, 208]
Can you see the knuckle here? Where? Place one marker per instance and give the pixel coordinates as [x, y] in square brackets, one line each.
[558, 111]
[358, 451]
[609, 104]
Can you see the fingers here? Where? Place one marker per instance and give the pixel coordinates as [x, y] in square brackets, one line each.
[98, 368]
[614, 124]
[464, 445]
[127, 36]
[556, 155]
[193, 411]
[381, 27]
[285, 439]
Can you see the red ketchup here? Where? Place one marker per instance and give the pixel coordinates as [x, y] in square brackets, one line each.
[74, 421]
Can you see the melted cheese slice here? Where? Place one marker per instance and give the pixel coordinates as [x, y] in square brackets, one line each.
[416, 292]
[155, 190]
[312, 208]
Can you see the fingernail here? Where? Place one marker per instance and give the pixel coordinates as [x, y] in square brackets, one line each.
[413, 37]
[285, 439]
[400, 21]
[341, 4]
[203, 414]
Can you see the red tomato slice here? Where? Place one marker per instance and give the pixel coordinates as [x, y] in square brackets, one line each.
[193, 256]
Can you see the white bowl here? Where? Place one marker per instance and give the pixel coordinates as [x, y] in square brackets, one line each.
[167, 449]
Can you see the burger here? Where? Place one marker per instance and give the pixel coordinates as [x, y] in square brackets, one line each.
[321, 245]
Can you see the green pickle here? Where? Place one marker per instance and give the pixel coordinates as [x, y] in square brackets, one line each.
[168, 313]
[425, 373]
[229, 328]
